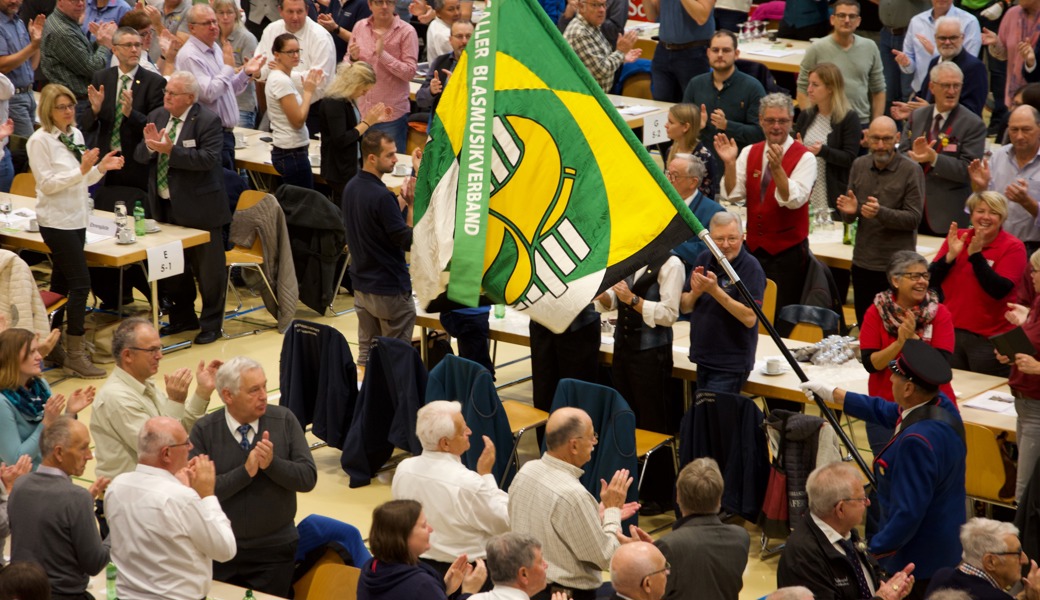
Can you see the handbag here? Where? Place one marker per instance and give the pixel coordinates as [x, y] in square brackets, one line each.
[774, 518]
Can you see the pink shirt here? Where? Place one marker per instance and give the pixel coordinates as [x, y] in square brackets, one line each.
[1017, 27]
[394, 68]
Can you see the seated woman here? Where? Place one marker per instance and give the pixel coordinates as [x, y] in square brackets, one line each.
[288, 110]
[28, 406]
[398, 536]
[907, 311]
[683, 128]
[977, 270]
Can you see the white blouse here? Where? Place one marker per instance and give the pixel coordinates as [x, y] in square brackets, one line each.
[61, 189]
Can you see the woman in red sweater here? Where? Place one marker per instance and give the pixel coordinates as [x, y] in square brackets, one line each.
[977, 270]
[907, 311]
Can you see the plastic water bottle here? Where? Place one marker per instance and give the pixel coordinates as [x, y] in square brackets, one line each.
[249, 595]
[500, 311]
[110, 581]
[139, 226]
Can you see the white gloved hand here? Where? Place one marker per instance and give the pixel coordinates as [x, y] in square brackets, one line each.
[819, 388]
[993, 12]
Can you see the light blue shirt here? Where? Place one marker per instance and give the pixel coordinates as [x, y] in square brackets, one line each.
[13, 37]
[924, 24]
[112, 13]
[1003, 171]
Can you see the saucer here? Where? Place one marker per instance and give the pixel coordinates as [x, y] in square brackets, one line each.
[156, 230]
[126, 243]
[763, 371]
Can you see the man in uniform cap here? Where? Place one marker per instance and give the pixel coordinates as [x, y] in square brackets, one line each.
[920, 473]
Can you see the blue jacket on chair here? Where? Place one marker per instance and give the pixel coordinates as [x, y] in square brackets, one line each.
[470, 383]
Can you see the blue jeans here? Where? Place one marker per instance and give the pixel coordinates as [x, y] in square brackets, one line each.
[293, 165]
[714, 380]
[898, 85]
[247, 119]
[671, 70]
[6, 171]
[22, 108]
[397, 129]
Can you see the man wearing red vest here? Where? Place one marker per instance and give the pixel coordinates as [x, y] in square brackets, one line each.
[774, 177]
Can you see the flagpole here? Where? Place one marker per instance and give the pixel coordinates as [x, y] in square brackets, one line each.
[824, 409]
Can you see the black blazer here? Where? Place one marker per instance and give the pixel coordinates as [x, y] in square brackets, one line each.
[196, 178]
[841, 149]
[423, 98]
[148, 89]
[810, 560]
[339, 140]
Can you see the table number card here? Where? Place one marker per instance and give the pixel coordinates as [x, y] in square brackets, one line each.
[165, 261]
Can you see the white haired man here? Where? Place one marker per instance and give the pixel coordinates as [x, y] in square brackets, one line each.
[991, 563]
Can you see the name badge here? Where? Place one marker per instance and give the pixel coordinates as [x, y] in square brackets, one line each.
[189, 143]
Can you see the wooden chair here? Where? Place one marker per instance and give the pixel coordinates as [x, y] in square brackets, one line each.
[303, 585]
[637, 86]
[648, 442]
[984, 475]
[521, 418]
[246, 258]
[24, 184]
[768, 305]
[333, 581]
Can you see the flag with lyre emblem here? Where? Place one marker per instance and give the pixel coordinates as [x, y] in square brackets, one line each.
[533, 191]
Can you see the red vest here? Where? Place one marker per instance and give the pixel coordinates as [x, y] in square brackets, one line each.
[770, 226]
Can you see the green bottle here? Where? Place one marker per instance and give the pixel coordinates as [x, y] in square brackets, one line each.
[110, 581]
[139, 227]
[249, 595]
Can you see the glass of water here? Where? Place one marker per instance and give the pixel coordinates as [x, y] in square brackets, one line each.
[5, 208]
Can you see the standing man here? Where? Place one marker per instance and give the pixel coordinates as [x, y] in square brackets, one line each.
[775, 177]
[1014, 170]
[895, 18]
[686, 29]
[686, 172]
[920, 473]
[182, 145]
[719, 312]
[52, 518]
[262, 461]
[167, 526]
[857, 57]
[19, 59]
[316, 47]
[639, 570]
[943, 138]
[921, 44]
[465, 508]
[708, 555]
[121, 98]
[103, 11]
[214, 69]
[886, 196]
[442, 66]
[547, 501]
[728, 98]
[378, 236]
[603, 61]
[517, 568]
[824, 552]
[438, 32]
[803, 20]
[68, 55]
[949, 39]
[1021, 25]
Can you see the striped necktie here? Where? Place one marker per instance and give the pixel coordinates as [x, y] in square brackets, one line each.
[116, 142]
[162, 176]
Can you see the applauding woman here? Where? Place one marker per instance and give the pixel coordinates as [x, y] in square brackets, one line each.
[683, 128]
[27, 405]
[64, 168]
[977, 270]
[288, 111]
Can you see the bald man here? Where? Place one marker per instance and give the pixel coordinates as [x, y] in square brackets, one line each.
[548, 502]
[886, 195]
[639, 571]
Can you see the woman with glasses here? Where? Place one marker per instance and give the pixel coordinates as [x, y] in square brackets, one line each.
[243, 46]
[63, 168]
[399, 535]
[831, 131]
[907, 311]
[342, 124]
[683, 128]
[977, 270]
[287, 108]
[27, 405]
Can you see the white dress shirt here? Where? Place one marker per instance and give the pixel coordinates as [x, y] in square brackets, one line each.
[438, 39]
[164, 536]
[60, 186]
[835, 538]
[465, 509]
[663, 312]
[799, 182]
[501, 592]
[316, 50]
[233, 426]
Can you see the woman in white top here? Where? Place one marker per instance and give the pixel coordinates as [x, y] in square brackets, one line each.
[63, 168]
[288, 109]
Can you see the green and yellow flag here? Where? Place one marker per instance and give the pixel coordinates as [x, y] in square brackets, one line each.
[533, 191]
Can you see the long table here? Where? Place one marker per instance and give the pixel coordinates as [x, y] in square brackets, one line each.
[784, 55]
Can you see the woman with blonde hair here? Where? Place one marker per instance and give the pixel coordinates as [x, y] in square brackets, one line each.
[683, 128]
[64, 168]
[342, 124]
[243, 46]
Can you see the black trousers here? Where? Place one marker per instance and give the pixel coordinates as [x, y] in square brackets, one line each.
[267, 570]
[70, 278]
[473, 335]
[204, 263]
[787, 269]
[556, 356]
[866, 284]
[974, 352]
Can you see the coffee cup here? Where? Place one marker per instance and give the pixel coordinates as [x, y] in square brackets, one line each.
[126, 235]
[33, 226]
[151, 224]
[402, 169]
[773, 366]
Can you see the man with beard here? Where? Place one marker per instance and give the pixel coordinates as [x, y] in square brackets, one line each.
[944, 138]
[886, 195]
[728, 98]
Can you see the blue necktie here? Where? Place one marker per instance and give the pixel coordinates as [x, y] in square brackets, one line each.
[857, 567]
[243, 430]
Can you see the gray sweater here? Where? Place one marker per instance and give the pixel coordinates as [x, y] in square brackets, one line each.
[262, 509]
[52, 524]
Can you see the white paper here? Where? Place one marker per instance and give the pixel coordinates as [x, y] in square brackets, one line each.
[101, 226]
[636, 110]
[773, 53]
[653, 129]
[993, 401]
[165, 261]
[96, 237]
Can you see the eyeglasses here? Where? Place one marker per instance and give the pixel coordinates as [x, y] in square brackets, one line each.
[923, 276]
[729, 241]
[594, 440]
[772, 122]
[862, 499]
[152, 350]
[949, 86]
[846, 16]
[947, 38]
[667, 568]
[1018, 552]
[210, 23]
[187, 443]
[721, 50]
[672, 176]
[884, 139]
[169, 92]
[64, 107]
[893, 366]
[461, 36]
[131, 45]
[289, 52]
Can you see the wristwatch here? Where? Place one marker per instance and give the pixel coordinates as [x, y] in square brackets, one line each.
[635, 301]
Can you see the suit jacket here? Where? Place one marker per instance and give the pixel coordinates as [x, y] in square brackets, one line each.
[148, 89]
[947, 185]
[973, 94]
[706, 555]
[196, 178]
[810, 560]
[424, 98]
